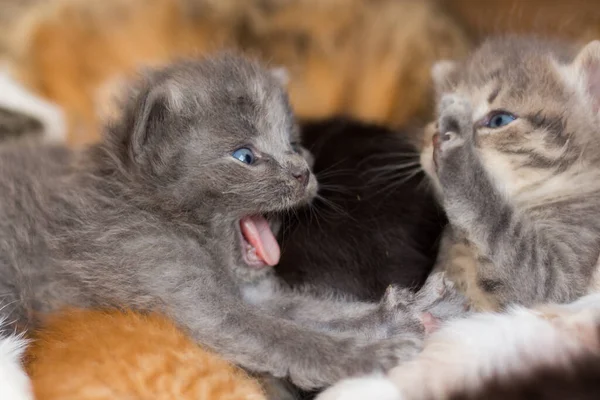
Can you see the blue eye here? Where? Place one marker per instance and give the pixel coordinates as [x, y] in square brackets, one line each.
[244, 155]
[498, 120]
[296, 147]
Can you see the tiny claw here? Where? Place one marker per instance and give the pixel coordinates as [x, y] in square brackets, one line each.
[394, 297]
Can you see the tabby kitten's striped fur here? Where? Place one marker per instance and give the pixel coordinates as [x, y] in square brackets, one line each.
[517, 160]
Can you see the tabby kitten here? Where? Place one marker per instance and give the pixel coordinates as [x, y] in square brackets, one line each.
[514, 155]
[516, 158]
[89, 354]
[168, 214]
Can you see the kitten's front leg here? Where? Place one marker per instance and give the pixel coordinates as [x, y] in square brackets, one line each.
[440, 297]
[457, 164]
[260, 342]
[400, 311]
[392, 315]
[520, 261]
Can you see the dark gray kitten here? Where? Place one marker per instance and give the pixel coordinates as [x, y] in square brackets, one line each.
[373, 224]
[167, 214]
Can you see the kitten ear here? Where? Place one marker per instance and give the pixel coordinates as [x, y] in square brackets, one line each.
[281, 74]
[155, 104]
[587, 66]
[442, 73]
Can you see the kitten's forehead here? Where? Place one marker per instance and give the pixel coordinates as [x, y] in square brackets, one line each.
[524, 66]
[238, 99]
[269, 119]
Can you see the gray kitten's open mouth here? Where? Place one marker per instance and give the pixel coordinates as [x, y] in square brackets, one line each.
[259, 246]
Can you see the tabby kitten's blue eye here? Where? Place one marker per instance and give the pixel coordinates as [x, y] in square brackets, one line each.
[244, 155]
[498, 120]
[296, 147]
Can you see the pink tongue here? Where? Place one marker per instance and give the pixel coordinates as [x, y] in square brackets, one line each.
[258, 233]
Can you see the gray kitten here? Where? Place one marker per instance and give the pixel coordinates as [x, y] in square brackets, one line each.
[167, 213]
[516, 156]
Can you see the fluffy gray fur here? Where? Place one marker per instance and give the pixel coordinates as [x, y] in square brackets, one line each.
[149, 219]
[526, 195]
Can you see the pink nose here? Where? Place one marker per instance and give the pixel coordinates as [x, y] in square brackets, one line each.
[302, 176]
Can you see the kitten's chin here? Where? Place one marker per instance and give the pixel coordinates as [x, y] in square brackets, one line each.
[258, 245]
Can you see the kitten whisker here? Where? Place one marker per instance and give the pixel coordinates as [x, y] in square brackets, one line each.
[392, 167]
[334, 207]
[406, 177]
[384, 156]
[10, 311]
[283, 228]
[314, 212]
[334, 173]
[335, 188]
[425, 184]
[327, 214]
[332, 166]
[398, 180]
[392, 175]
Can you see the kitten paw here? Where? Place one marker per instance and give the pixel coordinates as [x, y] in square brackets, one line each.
[396, 297]
[455, 127]
[455, 123]
[398, 315]
[434, 288]
[351, 358]
[454, 151]
[430, 323]
[389, 353]
[441, 298]
[438, 283]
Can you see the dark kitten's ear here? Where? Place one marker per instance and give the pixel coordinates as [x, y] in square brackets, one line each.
[442, 74]
[155, 106]
[586, 69]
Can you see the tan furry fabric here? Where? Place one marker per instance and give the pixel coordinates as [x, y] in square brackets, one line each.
[571, 19]
[366, 58]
